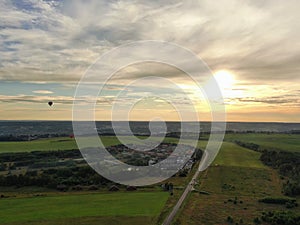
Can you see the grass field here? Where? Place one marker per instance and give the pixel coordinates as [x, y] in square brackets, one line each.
[284, 142]
[65, 207]
[49, 144]
[233, 155]
[94, 220]
[38, 145]
[236, 173]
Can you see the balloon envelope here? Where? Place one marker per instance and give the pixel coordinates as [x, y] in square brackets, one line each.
[50, 103]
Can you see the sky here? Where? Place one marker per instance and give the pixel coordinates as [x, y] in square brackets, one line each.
[251, 47]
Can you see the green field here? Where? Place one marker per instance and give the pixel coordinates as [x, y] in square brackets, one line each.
[38, 145]
[284, 142]
[62, 207]
[237, 173]
[50, 144]
[233, 155]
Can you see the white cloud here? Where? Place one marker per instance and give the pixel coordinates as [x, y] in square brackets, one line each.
[44, 92]
[57, 40]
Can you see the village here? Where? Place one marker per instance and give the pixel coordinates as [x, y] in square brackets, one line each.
[164, 151]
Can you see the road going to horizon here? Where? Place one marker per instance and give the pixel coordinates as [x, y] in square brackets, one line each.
[187, 190]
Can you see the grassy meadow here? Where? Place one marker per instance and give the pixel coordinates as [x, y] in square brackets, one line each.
[69, 206]
[236, 181]
[282, 142]
[237, 175]
[233, 155]
[38, 145]
[54, 144]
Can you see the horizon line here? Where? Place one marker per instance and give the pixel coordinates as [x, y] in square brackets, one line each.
[147, 121]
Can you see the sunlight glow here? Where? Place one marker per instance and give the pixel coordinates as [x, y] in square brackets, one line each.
[225, 79]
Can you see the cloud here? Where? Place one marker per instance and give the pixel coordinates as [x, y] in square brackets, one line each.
[55, 41]
[44, 92]
[34, 99]
[282, 97]
[58, 40]
[292, 101]
[64, 100]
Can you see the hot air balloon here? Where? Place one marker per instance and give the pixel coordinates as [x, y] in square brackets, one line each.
[50, 103]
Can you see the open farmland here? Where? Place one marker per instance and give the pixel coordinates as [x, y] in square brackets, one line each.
[233, 155]
[282, 142]
[62, 143]
[63, 208]
[38, 145]
[235, 183]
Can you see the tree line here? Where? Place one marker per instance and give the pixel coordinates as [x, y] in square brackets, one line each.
[23, 137]
[54, 178]
[287, 164]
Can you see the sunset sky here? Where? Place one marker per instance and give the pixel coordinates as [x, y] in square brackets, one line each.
[251, 47]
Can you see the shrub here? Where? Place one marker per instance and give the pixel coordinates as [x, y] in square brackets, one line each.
[256, 220]
[290, 203]
[281, 217]
[230, 219]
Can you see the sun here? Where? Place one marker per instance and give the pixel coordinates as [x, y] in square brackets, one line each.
[228, 84]
[225, 79]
